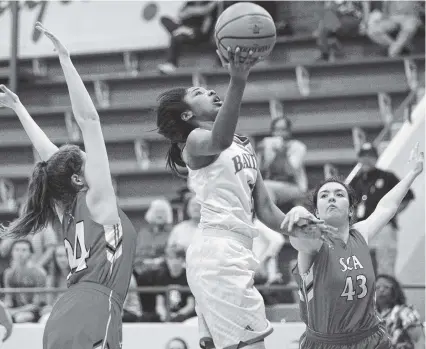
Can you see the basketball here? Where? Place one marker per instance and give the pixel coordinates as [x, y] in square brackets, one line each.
[248, 26]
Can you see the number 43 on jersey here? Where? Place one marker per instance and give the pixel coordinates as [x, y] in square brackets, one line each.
[356, 288]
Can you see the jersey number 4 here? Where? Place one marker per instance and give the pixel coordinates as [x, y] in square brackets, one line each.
[77, 263]
[359, 290]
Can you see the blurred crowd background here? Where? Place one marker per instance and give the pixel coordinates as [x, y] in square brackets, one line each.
[342, 79]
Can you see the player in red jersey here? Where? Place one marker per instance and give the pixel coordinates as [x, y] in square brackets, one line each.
[99, 238]
[337, 285]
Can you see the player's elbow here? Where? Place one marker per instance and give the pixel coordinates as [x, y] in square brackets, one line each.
[264, 210]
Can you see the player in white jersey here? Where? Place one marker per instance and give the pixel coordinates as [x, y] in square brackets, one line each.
[223, 172]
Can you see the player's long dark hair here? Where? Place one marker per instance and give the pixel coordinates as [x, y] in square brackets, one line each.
[398, 296]
[171, 105]
[50, 182]
[351, 195]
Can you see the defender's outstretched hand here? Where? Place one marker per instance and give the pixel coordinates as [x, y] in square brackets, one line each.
[8, 99]
[59, 47]
[417, 157]
[308, 226]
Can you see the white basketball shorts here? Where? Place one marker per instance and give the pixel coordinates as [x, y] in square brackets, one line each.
[220, 271]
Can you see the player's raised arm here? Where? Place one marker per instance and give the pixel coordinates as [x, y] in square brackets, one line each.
[101, 199]
[389, 204]
[270, 215]
[203, 142]
[40, 141]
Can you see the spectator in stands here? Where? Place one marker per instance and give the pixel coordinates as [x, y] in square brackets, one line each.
[370, 185]
[132, 309]
[56, 278]
[266, 247]
[195, 23]
[402, 321]
[24, 307]
[183, 233]
[152, 240]
[395, 25]
[176, 343]
[173, 272]
[339, 19]
[44, 245]
[282, 164]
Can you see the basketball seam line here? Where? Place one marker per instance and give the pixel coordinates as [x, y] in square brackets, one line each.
[234, 19]
[246, 37]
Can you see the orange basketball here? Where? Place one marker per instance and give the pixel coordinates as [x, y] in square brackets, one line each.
[248, 26]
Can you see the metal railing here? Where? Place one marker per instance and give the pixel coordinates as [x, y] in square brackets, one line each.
[411, 97]
[165, 290]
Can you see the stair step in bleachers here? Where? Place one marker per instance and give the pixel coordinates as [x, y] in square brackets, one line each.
[265, 82]
[124, 149]
[298, 49]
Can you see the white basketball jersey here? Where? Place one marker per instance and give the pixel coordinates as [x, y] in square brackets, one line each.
[224, 189]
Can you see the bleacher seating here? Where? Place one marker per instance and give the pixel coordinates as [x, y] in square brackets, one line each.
[124, 86]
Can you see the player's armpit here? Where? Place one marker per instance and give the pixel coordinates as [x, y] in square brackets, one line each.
[202, 142]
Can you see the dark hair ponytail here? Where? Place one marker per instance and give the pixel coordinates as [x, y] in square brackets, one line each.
[174, 159]
[171, 105]
[37, 210]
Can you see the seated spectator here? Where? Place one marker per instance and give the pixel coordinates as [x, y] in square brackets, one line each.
[281, 161]
[394, 25]
[44, 244]
[195, 24]
[132, 309]
[402, 321]
[24, 307]
[170, 272]
[57, 277]
[183, 233]
[173, 272]
[266, 247]
[152, 240]
[339, 19]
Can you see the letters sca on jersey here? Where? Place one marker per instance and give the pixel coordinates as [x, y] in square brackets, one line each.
[350, 263]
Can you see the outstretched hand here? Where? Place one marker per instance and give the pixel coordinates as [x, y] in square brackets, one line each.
[237, 65]
[417, 157]
[309, 226]
[59, 47]
[8, 99]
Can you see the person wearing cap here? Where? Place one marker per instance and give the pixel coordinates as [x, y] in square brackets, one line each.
[370, 185]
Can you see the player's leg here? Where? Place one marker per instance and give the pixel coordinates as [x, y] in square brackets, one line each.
[83, 319]
[222, 284]
[206, 340]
